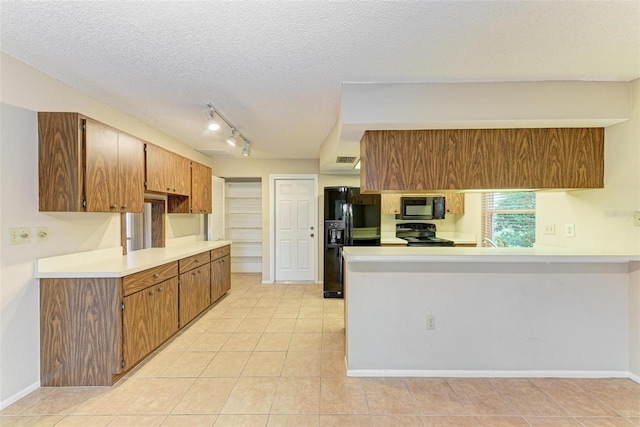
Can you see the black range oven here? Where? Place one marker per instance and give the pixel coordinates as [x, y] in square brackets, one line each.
[420, 234]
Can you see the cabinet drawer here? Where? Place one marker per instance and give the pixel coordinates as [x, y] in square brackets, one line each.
[194, 261]
[220, 252]
[138, 281]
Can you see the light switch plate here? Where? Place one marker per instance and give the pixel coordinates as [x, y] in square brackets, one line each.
[42, 234]
[570, 230]
[550, 229]
[18, 236]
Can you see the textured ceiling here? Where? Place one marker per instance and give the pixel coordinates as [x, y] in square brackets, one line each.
[275, 68]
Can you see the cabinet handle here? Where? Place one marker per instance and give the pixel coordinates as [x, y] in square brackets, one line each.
[174, 189]
[193, 273]
[124, 206]
[151, 293]
[114, 206]
[155, 276]
[168, 188]
[160, 289]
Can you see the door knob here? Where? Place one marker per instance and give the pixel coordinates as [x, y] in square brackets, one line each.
[311, 234]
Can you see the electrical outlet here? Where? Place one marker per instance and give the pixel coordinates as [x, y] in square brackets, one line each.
[550, 229]
[19, 236]
[431, 322]
[42, 234]
[636, 219]
[570, 230]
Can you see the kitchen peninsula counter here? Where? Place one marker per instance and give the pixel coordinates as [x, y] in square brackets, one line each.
[106, 263]
[443, 311]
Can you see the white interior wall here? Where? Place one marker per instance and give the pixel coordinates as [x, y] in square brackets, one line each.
[24, 91]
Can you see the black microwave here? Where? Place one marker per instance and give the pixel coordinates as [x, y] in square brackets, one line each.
[423, 207]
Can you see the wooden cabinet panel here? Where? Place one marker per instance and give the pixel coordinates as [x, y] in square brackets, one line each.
[138, 329]
[390, 204]
[220, 252]
[167, 310]
[458, 159]
[194, 293]
[189, 263]
[167, 172]
[131, 173]
[150, 317]
[101, 167]
[153, 276]
[200, 188]
[86, 166]
[454, 203]
[60, 170]
[80, 324]
[220, 277]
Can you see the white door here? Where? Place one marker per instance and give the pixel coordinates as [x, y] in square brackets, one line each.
[295, 229]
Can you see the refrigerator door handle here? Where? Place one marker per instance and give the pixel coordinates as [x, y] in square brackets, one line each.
[348, 224]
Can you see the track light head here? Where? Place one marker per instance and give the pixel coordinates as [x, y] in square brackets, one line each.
[233, 139]
[246, 151]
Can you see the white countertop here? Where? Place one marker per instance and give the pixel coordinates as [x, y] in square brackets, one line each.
[480, 254]
[111, 263]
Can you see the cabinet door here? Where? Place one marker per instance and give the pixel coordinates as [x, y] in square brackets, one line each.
[200, 188]
[167, 172]
[454, 203]
[101, 167]
[138, 321]
[131, 173]
[166, 310]
[390, 204]
[220, 277]
[194, 293]
[226, 270]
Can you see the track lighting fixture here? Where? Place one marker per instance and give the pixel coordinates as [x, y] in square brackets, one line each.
[233, 138]
[213, 124]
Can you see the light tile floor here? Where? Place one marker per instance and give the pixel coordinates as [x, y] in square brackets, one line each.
[273, 355]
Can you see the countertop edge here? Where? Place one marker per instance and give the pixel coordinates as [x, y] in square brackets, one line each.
[73, 265]
[468, 255]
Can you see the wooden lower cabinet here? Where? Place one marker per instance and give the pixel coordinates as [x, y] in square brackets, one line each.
[220, 272]
[150, 317]
[93, 330]
[194, 293]
[80, 331]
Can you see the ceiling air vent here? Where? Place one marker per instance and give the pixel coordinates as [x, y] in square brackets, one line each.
[342, 159]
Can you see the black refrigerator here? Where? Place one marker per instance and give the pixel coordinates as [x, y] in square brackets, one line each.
[350, 219]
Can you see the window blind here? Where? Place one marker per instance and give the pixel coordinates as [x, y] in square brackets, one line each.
[509, 219]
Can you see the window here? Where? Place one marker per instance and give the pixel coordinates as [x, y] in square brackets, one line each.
[509, 219]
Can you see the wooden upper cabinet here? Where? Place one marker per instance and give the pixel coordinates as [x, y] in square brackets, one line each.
[167, 172]
[454, 203]
[86, 166]
[200, 188]
[390, 204]
[461, 159]
[131, 173]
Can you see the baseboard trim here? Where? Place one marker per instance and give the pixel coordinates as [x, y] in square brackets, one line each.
[19, 395]
[634, 377]
[487, 373]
